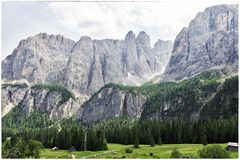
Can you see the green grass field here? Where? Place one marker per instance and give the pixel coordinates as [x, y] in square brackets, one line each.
[118, 151]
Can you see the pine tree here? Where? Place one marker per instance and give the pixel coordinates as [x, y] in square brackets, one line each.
[160, 140]
[152, 142]
[179, 137]
[27, 151]
[204, 140]
[104, 144]
[136, 142]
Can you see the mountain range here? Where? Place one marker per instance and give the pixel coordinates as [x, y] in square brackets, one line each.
[108, 78]
[85, 66]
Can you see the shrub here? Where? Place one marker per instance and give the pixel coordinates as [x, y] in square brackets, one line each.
[128, 150]
[175, 153]
[151, 154]
[36, 153]
[213, 151]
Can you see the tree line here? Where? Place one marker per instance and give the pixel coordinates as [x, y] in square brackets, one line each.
[71, 133]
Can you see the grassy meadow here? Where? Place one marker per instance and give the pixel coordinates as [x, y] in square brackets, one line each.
[118, 151]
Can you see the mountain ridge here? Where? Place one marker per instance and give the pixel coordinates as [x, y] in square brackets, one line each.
[86, 67]
[47, 58]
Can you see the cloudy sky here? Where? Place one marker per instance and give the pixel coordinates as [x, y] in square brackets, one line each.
[99, 20]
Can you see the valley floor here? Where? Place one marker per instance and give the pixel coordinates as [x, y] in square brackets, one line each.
[118, 151]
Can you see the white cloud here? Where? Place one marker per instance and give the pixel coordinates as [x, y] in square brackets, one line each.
[161, 20]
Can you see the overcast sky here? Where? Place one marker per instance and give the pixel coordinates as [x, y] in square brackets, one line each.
[99, 20]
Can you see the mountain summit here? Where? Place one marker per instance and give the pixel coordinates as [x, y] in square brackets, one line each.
[83, 66]
[210, 41]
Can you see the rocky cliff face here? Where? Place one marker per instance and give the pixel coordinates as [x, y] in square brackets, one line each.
[210, 41]
[38, 59]
[83, 66]
[107, 103]
[163, 50]
[111, 102]
[27, 100]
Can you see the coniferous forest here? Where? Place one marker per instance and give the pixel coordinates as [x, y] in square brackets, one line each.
[40, 131]
[126, 131]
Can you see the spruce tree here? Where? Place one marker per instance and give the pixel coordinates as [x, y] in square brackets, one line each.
[152, 142]
[179, 138]
[136, 142]
[160, 141]
[204, 140]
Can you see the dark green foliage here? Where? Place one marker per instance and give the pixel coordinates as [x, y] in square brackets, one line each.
[225, 101]
[33, 145]
[13, 153]
[36, 153]
[160, 141]
[125, 131]
[204, 140]
[96, 141]
[152, 142]
[66, 94]
[175, 153]
[179, 137]
[17, 85]
[136, 142]
[118, 130]
[16, 118]
[6, 146]
[129, 150]
[214, 151]
[177, 95]
[22, 149]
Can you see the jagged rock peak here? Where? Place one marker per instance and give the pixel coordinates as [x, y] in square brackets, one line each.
[215, 18]
[48, 36]
[44, 38]
[162, 45]
[130, 35]
[222, 7]
[210, 41]
[143, 39]
[163, 49]
[85, 38]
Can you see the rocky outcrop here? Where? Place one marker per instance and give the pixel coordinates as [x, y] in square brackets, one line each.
[11, 96]
[83, 66]
[163, 50]
[210, 41]
[27, 100]
[111, 102]
[107, 103]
